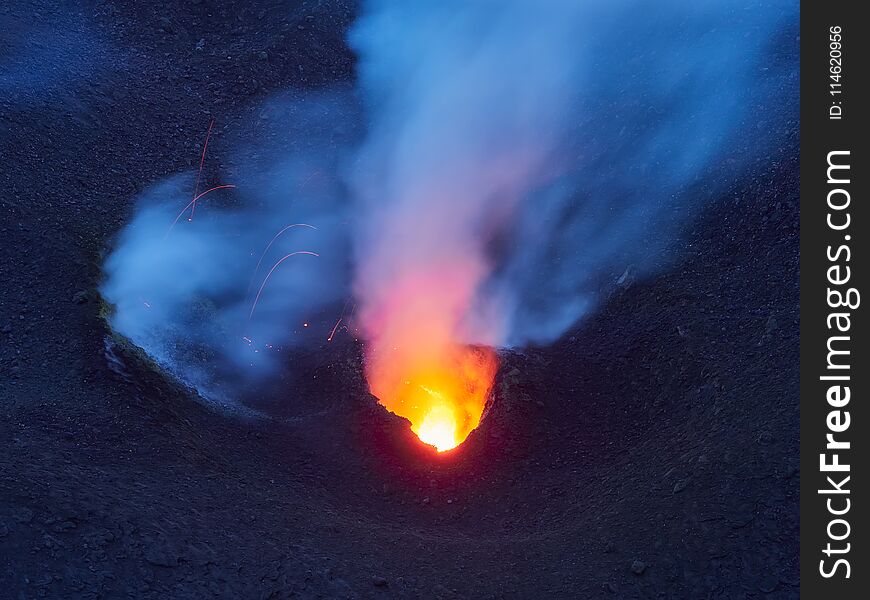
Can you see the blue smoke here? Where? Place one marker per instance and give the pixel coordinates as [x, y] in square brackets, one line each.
[194, 293]
[558, 143]
[552, 145]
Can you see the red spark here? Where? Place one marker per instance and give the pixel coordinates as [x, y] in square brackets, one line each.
[332, 334]
[199, 173]
[192, 202]
[269, 274]
[340, 318]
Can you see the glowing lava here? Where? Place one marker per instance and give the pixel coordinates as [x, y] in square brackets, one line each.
[417, 362]
[443, 399]
[444, 402]
[439, 428]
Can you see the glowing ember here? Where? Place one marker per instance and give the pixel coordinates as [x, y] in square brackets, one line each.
[193, 202]
[196, 193]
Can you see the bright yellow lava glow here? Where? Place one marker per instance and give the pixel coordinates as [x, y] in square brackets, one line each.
[443, 397]
[438, 429]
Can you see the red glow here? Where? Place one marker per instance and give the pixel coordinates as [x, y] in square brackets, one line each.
[415, 365]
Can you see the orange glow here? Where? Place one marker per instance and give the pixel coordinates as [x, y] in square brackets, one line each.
[442, 399]
[414, 363]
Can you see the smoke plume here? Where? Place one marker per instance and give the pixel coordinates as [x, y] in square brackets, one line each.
[495, 166]
[520, 154]
[205, 292]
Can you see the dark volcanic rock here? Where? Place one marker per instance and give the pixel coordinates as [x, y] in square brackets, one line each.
[638, 567]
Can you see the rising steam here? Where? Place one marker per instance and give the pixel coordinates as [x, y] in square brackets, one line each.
[497, 165]
[220, 297]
